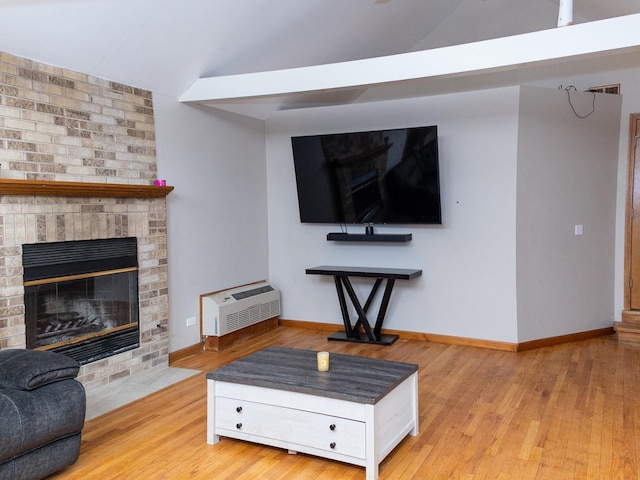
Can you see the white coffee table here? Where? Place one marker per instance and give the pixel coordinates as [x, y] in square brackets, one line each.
[357, 412]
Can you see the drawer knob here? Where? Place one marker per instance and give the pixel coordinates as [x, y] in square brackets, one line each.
[238, 409]
[332, 426]
[238, 426]
[332, 445]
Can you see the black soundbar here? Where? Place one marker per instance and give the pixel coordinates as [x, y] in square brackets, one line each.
[373, 237]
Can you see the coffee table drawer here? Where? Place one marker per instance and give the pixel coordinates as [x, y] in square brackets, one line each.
[246, 419]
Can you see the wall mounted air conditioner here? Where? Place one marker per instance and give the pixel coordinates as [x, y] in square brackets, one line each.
[236, 308]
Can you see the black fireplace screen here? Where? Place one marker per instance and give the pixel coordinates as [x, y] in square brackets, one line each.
[81, 298]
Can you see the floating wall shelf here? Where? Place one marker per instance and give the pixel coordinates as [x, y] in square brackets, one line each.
[52, 188]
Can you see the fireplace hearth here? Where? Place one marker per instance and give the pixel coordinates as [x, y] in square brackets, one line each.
[81, 297]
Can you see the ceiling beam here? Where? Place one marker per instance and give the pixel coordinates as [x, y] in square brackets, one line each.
[588, 40]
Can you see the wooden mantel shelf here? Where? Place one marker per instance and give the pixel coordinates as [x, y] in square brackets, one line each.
[80, 189]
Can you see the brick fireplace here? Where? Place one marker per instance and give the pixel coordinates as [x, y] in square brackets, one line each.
[77, 162]
[81, 297]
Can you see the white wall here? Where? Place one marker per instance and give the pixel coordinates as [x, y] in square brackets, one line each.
[630, 91]
[217, 216]
[468, 284]
[567, 169]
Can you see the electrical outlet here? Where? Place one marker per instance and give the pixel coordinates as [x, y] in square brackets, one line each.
[191, 322]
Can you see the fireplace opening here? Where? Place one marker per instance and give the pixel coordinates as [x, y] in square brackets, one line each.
[81, 297]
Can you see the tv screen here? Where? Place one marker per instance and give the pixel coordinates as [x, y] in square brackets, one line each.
[382, 177]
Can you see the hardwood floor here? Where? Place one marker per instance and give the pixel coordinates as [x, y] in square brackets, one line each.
[570, 411]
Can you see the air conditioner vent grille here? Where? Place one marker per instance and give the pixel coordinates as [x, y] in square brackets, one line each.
[252, 292]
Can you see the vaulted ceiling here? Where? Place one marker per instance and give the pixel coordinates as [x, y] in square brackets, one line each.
[166, 45]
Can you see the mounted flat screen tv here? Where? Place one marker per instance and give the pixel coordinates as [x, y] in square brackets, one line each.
[375, 177]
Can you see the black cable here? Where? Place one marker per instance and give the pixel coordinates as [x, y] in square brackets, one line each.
[593, 106]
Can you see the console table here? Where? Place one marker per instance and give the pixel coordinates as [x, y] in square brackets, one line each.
[361, 331]
[356, 412]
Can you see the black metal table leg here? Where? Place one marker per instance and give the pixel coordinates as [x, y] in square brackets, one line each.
[383, 306]
[343, 308]
[362, 315]
[363, 321]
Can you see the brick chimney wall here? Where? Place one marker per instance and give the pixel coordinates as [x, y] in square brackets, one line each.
[61, 125]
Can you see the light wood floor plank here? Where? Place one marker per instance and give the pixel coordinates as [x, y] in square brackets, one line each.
[564, 412]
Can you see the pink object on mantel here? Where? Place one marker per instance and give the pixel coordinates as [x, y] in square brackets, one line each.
[161, 183]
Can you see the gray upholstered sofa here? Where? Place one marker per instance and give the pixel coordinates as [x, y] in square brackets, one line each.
[42, 411]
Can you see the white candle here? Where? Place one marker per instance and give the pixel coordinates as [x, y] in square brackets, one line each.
[323, 361]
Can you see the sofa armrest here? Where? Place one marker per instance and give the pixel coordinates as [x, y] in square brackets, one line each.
[30, 369]
[32, 419]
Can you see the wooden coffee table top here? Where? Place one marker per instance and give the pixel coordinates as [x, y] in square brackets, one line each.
[350, 378]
